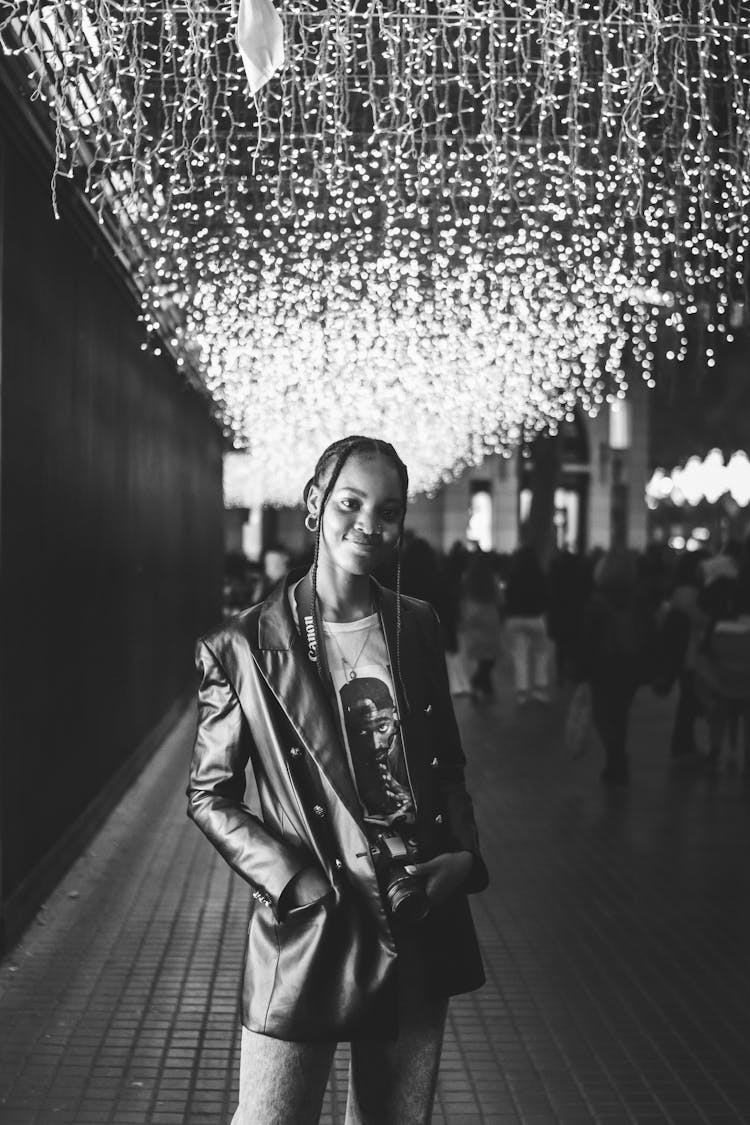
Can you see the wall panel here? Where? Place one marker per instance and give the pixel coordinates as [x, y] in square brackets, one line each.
[111, 530]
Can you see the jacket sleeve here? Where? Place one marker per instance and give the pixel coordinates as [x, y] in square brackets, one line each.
[216, 789]
[458, 805]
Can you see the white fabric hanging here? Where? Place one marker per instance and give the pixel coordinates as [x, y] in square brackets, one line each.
[260, 38]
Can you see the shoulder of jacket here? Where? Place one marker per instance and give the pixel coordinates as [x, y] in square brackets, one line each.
[417, 610]
[241, 628]
[424, 612]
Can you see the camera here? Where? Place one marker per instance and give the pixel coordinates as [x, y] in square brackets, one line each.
[404, 893]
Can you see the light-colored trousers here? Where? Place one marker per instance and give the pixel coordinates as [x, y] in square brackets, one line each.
[529, 653]
[390, 1083]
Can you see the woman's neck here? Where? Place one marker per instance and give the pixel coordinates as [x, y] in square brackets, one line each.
[342, 596]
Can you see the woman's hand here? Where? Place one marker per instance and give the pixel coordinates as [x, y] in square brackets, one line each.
[444, 874]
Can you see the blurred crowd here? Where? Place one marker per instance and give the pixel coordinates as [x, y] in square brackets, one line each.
[589, 630]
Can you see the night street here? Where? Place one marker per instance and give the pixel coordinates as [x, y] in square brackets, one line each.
[615, 934]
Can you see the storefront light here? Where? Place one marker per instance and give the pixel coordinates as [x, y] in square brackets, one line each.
[690, 481]
[708, 479]
[619, 424]
[715, 483]
[738, 478]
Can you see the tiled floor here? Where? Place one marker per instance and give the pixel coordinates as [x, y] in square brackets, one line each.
[616, 933]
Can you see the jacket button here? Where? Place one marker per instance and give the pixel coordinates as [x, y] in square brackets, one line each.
[434, 763]
[319, 810]
[439, 818]
[337, 864]
[295, 751]
[428, 709]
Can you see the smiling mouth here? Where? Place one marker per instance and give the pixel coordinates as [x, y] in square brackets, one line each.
[364, 544]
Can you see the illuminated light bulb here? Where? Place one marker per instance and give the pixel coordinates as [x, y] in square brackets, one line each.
[286, 235]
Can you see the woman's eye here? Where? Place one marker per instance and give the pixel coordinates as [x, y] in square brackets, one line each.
[348, 503]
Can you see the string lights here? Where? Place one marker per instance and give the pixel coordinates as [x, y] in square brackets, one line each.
[449, 225]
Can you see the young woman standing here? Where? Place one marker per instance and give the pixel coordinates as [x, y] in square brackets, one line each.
[334, 690]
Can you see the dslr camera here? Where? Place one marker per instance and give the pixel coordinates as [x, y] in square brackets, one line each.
[405, 894]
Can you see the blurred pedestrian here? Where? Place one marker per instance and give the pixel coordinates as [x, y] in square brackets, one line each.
[618, 635]
[423, 576]
[480, 623]
[276, 561]
[722, 671]
[526, 606]
[681, 625]
[454, 567]
[569, 585]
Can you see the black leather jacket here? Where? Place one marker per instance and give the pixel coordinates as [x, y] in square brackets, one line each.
[326, 971]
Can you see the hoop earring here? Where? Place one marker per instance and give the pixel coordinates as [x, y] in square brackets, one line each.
[315, 520]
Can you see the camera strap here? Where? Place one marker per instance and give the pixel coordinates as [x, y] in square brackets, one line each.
[311, 629]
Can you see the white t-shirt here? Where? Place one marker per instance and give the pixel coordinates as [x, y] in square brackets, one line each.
[368, 714]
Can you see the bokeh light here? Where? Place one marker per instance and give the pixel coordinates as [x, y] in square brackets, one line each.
[447, 225]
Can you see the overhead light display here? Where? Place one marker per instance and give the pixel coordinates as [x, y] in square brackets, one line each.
[447, 225]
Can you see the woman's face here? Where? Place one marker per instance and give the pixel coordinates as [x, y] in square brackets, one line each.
[363, 514]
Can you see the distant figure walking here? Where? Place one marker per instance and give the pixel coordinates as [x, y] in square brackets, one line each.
[480, 622]
[569, 584]
[617, 638]
[722, 666]
[526, 604]
[682, 627]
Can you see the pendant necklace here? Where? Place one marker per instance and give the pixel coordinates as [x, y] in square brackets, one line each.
[352, 674]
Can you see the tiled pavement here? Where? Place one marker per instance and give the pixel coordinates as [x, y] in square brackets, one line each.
[616, 933]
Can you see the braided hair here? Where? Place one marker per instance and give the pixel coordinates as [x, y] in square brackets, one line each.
[336, 455]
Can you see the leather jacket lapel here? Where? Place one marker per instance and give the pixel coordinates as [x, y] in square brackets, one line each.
[283, 661]
[385, 601]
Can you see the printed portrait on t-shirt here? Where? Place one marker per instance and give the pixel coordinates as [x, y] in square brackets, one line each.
[374, 737]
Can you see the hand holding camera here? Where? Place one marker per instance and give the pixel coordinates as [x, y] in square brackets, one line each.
[412, 887]
[442, 875]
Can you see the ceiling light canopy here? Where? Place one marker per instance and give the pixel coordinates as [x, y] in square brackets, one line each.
[447, 225]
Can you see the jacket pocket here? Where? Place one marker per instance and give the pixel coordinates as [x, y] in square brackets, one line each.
[299, 914]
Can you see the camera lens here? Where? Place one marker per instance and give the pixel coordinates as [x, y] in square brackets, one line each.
[407, 900]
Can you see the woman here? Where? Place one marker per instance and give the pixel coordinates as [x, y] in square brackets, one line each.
[334, 690]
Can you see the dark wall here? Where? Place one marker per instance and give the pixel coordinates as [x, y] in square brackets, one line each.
[111, 531]
[696, 408]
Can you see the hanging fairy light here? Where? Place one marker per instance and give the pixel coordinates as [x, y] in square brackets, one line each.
[449, 227]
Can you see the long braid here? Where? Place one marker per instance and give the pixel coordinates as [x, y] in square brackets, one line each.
[341, 451]
[398, 626]
[318, 649]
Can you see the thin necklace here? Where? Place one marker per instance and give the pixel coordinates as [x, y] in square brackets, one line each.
[352, 675]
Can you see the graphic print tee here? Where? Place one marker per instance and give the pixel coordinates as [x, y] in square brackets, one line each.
[369, 718]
